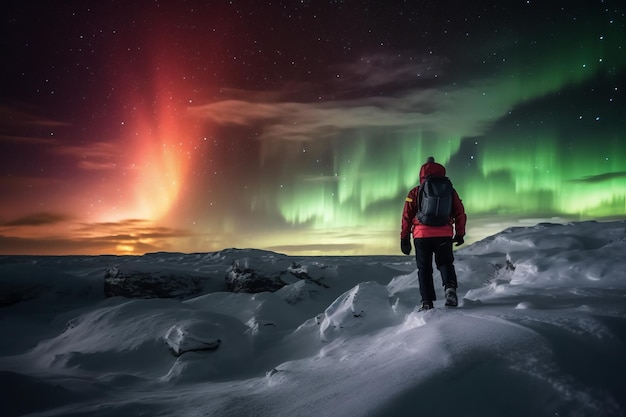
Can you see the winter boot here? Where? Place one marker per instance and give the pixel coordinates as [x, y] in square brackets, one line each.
[426, 305]
[451, 298]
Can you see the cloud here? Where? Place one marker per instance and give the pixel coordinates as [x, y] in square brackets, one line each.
[15, 245]
[601, 177]
[284, 115]
[97, 166]
[38, 219]
[378, 70]
[93, 156]
[18, 118]
[25, 140]
[390, 92]
[443, 111]
[131, 229]
[132, 236]
[12, 245]
[309, 121]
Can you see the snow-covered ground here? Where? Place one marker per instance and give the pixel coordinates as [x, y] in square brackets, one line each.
[540, 331]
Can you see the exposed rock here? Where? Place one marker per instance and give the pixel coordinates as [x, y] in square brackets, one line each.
[301, 272]
[158, 284]
[241, 278]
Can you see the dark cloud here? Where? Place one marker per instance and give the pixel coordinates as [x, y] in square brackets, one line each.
[38, 219]
[601, 177]
[12, 245]
[26, 140]
[13, 117]
[135, 228]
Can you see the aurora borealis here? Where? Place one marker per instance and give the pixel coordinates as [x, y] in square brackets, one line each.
[299, 126]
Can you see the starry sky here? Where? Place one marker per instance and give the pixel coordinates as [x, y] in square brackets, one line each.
[299, 126]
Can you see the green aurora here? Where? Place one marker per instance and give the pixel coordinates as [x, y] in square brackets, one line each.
[515, 146]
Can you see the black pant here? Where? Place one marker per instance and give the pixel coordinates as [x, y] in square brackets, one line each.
[425, 248]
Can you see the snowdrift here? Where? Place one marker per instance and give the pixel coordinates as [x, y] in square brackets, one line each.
[540, 330]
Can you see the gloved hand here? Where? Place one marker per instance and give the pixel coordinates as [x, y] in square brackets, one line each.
[458, 239]
[405, 246]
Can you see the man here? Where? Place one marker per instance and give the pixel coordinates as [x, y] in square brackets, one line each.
[432, 240]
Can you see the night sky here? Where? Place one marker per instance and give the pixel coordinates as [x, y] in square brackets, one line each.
[300, 126]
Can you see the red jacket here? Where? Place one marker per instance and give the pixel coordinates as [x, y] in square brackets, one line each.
[409, 218]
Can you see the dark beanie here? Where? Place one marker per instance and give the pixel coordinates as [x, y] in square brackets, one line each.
[430, 160]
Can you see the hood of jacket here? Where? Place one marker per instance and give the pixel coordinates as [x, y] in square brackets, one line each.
[431, 169]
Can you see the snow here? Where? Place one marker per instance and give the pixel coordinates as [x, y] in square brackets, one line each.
[540, 330]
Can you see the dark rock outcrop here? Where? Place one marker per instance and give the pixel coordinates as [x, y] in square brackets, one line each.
[157, 284]
[240, 278]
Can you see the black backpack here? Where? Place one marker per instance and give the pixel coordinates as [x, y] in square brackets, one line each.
[435, 201]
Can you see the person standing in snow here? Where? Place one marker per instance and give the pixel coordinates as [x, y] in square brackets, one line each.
[431, 239]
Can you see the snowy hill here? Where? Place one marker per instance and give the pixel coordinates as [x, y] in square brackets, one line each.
[540, 331]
